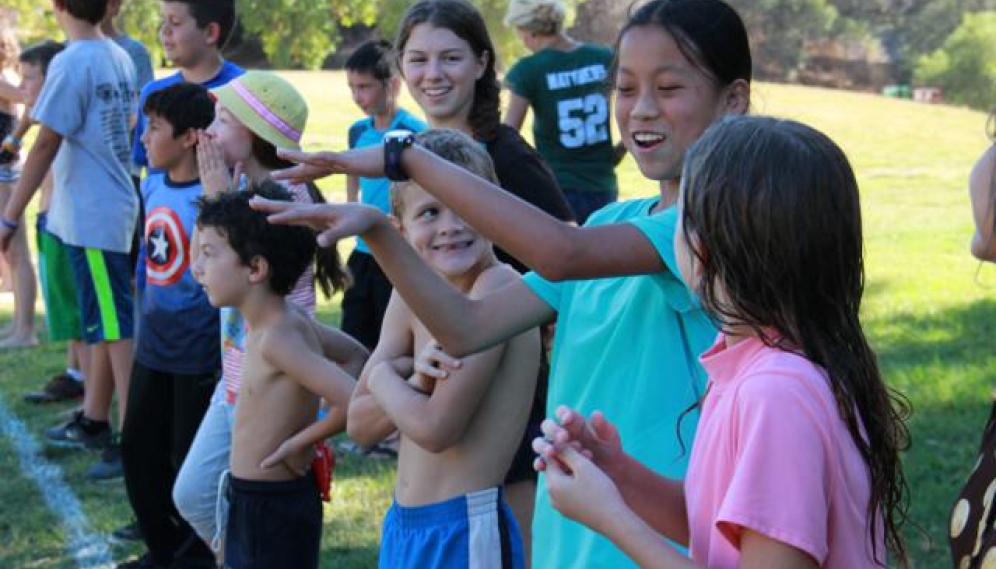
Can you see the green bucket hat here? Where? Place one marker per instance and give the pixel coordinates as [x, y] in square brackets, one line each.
[266, 104]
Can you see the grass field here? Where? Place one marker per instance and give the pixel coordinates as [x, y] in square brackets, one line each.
[930, 311]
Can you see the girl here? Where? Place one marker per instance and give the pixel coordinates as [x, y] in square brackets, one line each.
[16, 263]
[254, 114]
[796, 458]
[447, 60]
[973, 535]
[571, 116]
[625, 344]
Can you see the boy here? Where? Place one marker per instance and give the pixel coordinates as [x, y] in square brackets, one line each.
[458, 437]
[138, 53]
[373, 81]
[275, 514]
[84, 111]
[54, 270]
[177, 355]
[192, 33]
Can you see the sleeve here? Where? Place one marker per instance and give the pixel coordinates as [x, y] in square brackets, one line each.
[780, 485]
[550, 292]
[62, 103]
[143, 66]
[516, 80]
[523, 173]
[354, 133]
[138, 156]
[659, 230]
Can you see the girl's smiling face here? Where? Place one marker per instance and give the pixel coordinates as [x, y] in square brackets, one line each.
[663, 101]
[440, 69]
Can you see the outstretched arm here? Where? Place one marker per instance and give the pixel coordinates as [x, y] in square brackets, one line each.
[554, 249]
[461, 324]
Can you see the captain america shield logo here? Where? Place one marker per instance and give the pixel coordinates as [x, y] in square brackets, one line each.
[166, 255]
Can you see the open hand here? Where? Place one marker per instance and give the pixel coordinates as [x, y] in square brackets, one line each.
[366, 162]
[334, 221]
[215, 177]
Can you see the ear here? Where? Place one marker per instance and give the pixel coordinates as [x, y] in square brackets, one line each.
[394, 85]
[213, 33]
[482, 63]
[738, 97]
[259, 269]
[189, 138]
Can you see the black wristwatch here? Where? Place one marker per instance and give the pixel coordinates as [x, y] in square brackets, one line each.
[395, 142]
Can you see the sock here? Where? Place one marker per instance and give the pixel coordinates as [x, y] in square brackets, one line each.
[75, 374]
[91, 427]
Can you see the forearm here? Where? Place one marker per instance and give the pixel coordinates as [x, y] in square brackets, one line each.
[332, 423]
[658, 501]
[35, 168]
[642, 544]
[368, 424]
[554, 249]
[411, 412]
[445, 311]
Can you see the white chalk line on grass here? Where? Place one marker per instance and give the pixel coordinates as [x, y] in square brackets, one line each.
[90, 549]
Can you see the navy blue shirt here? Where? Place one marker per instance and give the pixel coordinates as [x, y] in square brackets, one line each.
[179, 327]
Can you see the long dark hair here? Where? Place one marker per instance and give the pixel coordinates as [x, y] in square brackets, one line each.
[771, 209]
[463, 19]
[330, 274]
[709, 33]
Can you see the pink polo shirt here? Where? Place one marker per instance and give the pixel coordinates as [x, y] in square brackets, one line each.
[772, 454]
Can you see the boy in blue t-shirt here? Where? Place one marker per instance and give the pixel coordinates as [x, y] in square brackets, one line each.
[84, 111]
[191, 33]
[374, 85]
[177, 356]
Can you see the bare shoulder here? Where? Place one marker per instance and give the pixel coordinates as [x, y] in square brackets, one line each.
[294, 332]
[494, 278]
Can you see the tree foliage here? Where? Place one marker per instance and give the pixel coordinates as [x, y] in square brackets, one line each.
[964, 67]
[779, 30]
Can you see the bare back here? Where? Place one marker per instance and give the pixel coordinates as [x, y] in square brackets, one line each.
[271, 407]
[483, 452]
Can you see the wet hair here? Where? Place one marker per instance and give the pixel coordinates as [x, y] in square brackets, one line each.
[91, 11]
[466, 22]
[184, 106]
[771, 211]
[376, 58]
[41, 54]
[205, 12]
[287, 249]
[541, 17]
[452, 146]
[709, 33]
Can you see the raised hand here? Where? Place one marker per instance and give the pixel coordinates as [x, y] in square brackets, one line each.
[334, 221]
[366, 162]
[215, 177]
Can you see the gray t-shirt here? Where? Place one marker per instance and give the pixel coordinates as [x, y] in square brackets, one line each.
[88, 98]
[139, 56]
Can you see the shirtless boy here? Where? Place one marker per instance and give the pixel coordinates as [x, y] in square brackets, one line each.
[275, 513]
[458, 435]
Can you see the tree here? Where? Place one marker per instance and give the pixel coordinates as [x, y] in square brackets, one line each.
[965, 65]
[301, 33]
[779, 30]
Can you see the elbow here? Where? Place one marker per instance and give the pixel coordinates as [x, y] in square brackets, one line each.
[982, 249]
[361, 429]
[559, 256]
[433, 437]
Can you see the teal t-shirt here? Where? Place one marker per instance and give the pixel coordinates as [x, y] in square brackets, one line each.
[629, 347]
[567, 92]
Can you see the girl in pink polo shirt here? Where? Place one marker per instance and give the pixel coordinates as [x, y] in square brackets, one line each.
[796, 455]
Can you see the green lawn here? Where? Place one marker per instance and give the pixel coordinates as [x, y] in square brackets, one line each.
[930, 311]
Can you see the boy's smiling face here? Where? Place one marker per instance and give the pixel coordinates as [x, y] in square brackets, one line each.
[440, 237]
[219, 270]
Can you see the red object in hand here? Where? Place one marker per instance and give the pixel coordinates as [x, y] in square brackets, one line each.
[323, 466]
